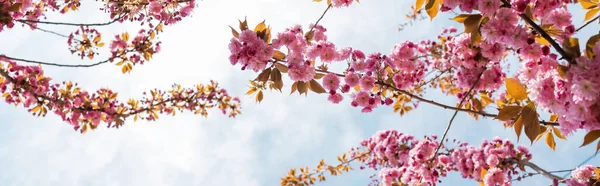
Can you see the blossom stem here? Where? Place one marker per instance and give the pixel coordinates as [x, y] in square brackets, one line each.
[481, 113]
[322, 15]
[25, 21]
[456, 112]
[540, 170]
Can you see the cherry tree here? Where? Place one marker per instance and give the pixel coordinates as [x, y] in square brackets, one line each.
[556, 76]
[558, 79]
[26, 85]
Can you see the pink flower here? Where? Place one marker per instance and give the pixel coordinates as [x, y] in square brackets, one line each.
[341, 3]
[156, 7]
[362, 98]
[494, 176]
[352, 79]
[367, 83]
[583, 173]
[331, 81]
[335, 98]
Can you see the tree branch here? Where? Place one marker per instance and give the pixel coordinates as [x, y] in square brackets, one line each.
[540, 170]
[25, 21]
[544, 34]
[481, 113]
[56, 64]
[587, 23]
[322, 15]
[456, 112]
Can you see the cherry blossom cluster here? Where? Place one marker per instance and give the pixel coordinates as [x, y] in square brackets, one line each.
[405, 67]
[400, 158]
[88, 39]
[27, 86]
[573, 97]
[570, 93]
[85, 41]
[129, 52]
[582, 176]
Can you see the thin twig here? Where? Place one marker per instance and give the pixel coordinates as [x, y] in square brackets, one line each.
[436, 77]
[54, 64]
[544, 34]
[587, 23]
[69, 24]
[50, 31]
[481, 113]
[456, 112]
[322, 15]
[540, 170]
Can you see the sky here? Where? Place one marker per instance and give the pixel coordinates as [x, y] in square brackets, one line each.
[258, 147]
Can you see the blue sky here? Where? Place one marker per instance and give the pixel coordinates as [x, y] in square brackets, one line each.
[259, 146]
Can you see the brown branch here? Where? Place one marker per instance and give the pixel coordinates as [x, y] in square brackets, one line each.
[436, 77]
[25, 21]
[322, 15]
[456, 112]
[544, 34]
[55, 64]
[587, 23]
[540, 170]
[50, 31]
[481, 113]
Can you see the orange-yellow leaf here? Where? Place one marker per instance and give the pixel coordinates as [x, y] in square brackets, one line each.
[419, 4]
[553, 117]
[558, 134]
[483, 173]
[472, 22]
[260, 27]
[234, 32]
[587, 4]
[316, 87]
[125, 36]
[518, 127]
[531, 122]
[15, 7]
[571, 47]
[281, 67]
[590, 137]
[432, 8]
[591, 13]
[508, 112]
[540, 40]
[97, 38]
[515, 89]
[100, 44]
[550, 141]
[280, 56]
[589, 46]
[259, 96]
